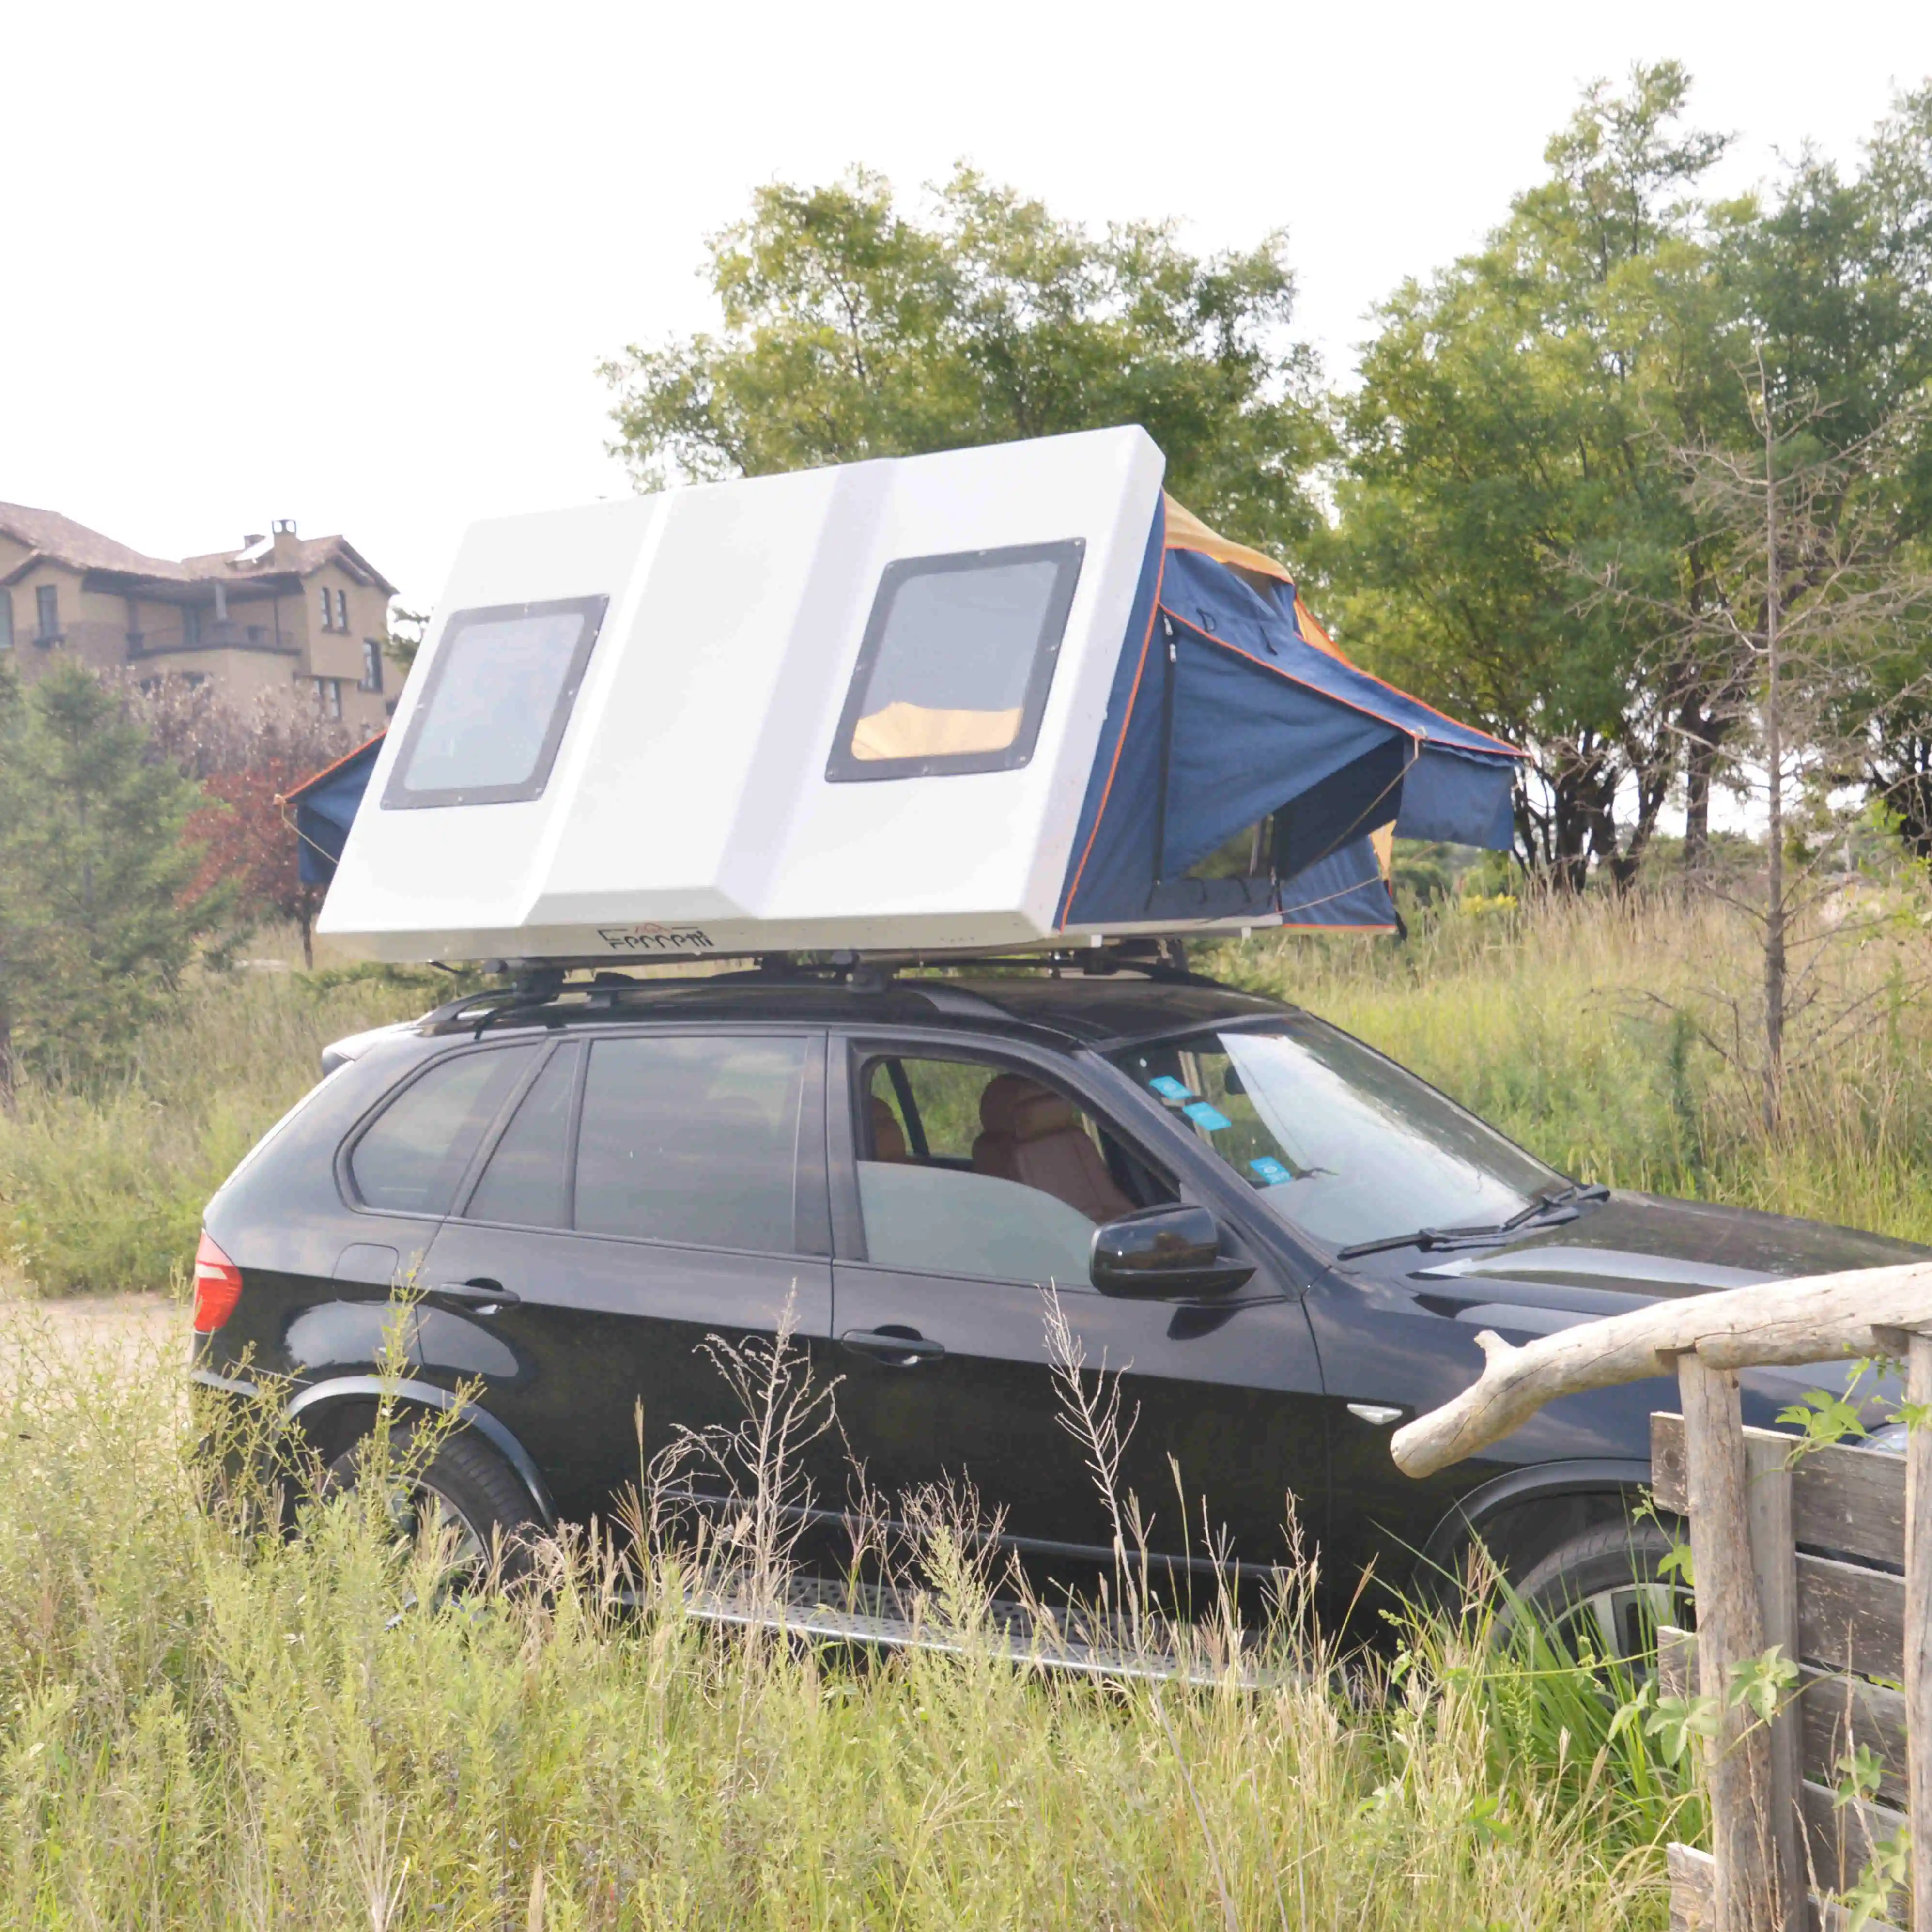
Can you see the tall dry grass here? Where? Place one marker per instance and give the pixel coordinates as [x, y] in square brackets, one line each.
[202, 1725]
[103, 1188]
[1606, 1035]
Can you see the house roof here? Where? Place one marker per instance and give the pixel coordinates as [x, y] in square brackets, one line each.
[58, 539]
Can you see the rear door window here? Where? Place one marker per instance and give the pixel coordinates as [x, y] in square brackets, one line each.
[527, 1183]
[410, 1160]
[693, 1141]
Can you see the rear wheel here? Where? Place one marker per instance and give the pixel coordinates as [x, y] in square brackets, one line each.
[1602, 1594]
[462, 1492]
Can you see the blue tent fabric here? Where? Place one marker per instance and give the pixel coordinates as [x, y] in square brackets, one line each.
[325, 807]
[1222, 712]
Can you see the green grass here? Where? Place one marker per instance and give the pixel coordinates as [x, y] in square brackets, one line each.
[203, 1727]
[103, 1190]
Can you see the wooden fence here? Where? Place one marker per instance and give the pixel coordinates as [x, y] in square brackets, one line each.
[1825, 1555]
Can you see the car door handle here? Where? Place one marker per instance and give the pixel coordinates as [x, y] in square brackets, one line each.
[482, 1294]
[896, 1348]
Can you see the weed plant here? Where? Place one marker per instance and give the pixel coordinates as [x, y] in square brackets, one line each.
[203, 1723]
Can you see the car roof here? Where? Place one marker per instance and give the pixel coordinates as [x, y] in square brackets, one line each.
[1067, 1010]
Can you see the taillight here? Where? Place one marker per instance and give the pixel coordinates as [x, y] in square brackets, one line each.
[217, 1287]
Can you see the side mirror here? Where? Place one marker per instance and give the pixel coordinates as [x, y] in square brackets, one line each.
[1160, 1251]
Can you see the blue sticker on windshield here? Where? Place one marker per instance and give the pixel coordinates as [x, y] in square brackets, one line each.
[1203, 1115]
[1169, 1088]
[1271, 1171]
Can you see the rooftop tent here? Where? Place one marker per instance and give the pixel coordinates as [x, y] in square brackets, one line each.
[325, 807]
[1231, 711]
[916, 705]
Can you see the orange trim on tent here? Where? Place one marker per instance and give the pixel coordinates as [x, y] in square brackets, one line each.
[1120, 744]
[316, 778]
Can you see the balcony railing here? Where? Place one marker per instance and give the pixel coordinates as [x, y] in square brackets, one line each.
[224, 635]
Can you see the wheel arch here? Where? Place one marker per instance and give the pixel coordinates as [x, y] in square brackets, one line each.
[311, 1404]
[1491, 1506]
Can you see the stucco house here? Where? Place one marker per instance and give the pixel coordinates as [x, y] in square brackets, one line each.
[300, 619]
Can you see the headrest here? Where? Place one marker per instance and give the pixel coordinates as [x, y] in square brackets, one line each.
[1001, 1095]
[888, 1137]
[1041, 1114]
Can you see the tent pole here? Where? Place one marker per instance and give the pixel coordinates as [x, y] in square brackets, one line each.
[1166, 750]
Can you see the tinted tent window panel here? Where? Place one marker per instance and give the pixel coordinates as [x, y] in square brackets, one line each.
[956, 663]
[410, 1161]
[693, 1141]
[524, 1184]
[497, 689]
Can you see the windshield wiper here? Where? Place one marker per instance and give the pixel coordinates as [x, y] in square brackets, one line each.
[1560, 1206]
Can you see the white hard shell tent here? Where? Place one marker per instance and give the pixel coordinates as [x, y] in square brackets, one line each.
[659, 726]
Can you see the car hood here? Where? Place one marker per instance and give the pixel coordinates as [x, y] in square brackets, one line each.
[1636, 1248]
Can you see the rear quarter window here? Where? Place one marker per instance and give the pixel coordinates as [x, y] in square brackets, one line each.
[410, 1159]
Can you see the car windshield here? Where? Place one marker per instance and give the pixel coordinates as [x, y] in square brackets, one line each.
[1338, 1141]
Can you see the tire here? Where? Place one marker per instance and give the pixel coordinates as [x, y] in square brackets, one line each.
[466, 1488]
[1604, 1590]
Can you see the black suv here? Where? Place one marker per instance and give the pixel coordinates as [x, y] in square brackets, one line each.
[1283, 1242]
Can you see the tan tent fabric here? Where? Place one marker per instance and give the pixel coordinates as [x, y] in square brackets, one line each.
[1186, 531]
[903, 730]
[1383, 839]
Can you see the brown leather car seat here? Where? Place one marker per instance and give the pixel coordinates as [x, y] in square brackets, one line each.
[1033, 1136]
[888, 1136]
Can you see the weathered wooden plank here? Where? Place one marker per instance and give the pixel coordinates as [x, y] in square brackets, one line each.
[1694, 1881]
[1836, 1714]
[1917, 1660]
[1668, 1482]
[1773, 1561]
[1730, 1628]
[1839, 1840]
[1849, 1618]
[1849, 1502]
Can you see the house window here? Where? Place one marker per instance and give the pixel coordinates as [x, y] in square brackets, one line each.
[46, 601]
[6, 620]
[190, 624]
[956, 663]
[372, 665]
[328, 610]
[329, 696]
[342, 610]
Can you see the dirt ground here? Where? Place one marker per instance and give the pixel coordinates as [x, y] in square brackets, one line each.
[81, 1323]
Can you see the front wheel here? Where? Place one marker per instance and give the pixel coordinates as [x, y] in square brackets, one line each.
[1602, 1594]
[463, 1491]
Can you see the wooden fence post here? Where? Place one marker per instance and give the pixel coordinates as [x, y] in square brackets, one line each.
[1730, 1628]
[1918, 1661]
[1774, 1550]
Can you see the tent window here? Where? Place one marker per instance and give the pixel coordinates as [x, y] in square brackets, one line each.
[956, 663]
[494, 709]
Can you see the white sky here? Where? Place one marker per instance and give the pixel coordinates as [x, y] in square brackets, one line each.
[355, 264]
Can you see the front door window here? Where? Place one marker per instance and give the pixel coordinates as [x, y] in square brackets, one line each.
[968, 1169]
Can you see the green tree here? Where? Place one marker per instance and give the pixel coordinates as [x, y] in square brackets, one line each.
[97, 919]
[1503, 449]
[851, 328]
